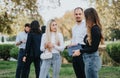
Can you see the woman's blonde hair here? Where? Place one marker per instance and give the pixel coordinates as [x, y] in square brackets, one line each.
[48, 32]
[92, 18]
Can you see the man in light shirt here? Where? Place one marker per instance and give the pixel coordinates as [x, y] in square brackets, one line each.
[21, 43]
[78, 34]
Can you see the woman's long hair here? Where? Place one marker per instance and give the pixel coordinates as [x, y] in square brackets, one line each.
[92, 18]
[48, 32]
[35, 27]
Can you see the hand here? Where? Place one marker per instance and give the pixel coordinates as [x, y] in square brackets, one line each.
[24, 41]
[24, 59]
[50, 45]
[76, 53]
[58, 43]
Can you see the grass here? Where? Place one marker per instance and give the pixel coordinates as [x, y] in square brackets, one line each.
[7, 70]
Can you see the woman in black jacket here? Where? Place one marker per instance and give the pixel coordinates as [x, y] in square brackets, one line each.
[32, 50]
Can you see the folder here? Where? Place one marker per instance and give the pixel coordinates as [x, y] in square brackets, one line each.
[71, 49]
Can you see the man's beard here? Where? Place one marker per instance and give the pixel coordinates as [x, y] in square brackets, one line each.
[26, 31]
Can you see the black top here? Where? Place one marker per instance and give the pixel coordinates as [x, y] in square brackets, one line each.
[33, 45]
[96, 37]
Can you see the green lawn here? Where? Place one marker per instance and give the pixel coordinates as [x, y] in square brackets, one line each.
[7, 70]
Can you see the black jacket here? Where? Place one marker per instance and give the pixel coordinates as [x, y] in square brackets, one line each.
[96, 38]
[33, 45]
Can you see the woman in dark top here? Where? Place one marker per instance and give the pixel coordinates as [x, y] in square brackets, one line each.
[92, 39]
[32, 50]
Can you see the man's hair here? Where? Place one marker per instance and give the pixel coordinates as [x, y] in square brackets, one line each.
[27, 25]
[78, 8]
[43, 28]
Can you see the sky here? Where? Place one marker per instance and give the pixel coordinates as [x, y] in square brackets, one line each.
[48, 13]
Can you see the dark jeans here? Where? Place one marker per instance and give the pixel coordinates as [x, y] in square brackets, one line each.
[78, 66]
[26, 70]
[20, 63]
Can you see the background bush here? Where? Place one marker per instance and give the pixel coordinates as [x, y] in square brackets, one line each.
[65, 55]
[5, 50]
[113, 50]
[14, 52]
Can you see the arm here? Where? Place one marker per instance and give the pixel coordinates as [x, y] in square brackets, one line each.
[42, 46]
[61, 46]
[18, 42]
[28, 44]
[96, 37]
[72, 35]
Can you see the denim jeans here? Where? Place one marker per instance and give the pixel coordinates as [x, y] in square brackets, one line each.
[92, 64]
[20, 64]
[55, 62]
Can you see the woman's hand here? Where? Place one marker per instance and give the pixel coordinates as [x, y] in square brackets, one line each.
[49, 45]
[24, 59]
[76, 53]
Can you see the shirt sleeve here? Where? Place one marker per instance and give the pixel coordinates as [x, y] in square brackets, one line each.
[42, 47]
[18, 38]
[61, 47]
[72, 40]
[95, 33]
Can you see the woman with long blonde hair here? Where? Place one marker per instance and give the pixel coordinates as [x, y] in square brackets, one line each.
[93, 38]
[52, 41]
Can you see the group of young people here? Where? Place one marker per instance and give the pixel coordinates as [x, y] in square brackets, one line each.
[33, 42]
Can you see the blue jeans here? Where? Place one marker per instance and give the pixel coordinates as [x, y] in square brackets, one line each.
[55, 61]
[20, 64]
[92, 64]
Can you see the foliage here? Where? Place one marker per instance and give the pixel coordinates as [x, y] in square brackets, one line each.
[5, 22]
[8, 70]
[5, 50]
[110, 17]
[66, 23]
[113, 50]
[65, 55]
[14, 52]
[23, 11]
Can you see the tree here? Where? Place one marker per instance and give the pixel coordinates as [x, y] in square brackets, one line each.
[23, 11]
[110, 17]
[66, 23]
[5, 22]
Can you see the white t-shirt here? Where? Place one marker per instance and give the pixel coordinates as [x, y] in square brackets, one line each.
[20, 37]
[78, 33]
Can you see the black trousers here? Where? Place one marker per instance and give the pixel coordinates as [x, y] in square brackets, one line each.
[20, 64]
[78, 66]
[28, 62]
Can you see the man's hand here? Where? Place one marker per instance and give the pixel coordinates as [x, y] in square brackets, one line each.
[76, 53]
[58, 43]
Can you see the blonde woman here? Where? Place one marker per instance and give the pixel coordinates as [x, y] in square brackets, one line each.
[52, 41]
